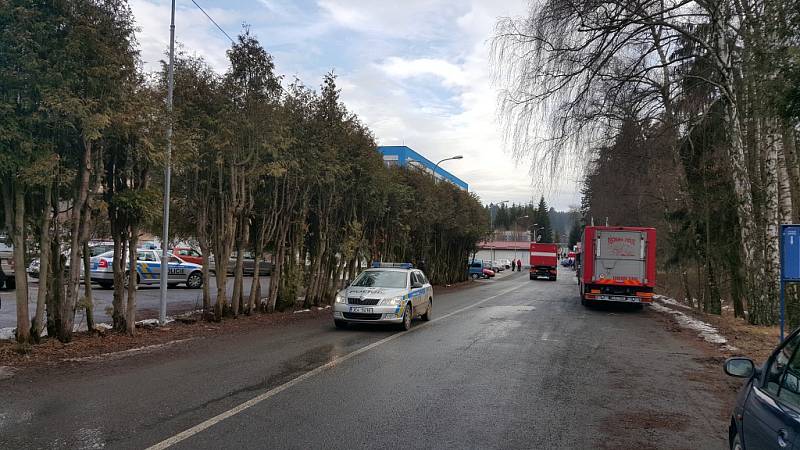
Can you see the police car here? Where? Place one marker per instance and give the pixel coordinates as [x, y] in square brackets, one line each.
[148, 270]
[386, 293]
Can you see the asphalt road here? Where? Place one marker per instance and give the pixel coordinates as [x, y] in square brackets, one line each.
[148, 300]
[511, 363]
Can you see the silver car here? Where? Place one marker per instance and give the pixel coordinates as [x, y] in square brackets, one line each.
[386, 293]
[148, 270]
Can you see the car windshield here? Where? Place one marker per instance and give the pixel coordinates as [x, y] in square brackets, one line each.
[381, 278]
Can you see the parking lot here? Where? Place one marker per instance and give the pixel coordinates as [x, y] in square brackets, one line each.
[148, 300]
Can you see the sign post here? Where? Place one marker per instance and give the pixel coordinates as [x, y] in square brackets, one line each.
[790, 263]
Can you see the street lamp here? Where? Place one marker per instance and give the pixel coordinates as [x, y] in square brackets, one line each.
[162, 313]
[441, 161]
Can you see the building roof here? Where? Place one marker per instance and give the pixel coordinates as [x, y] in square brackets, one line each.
[504, 245]
[405, 153]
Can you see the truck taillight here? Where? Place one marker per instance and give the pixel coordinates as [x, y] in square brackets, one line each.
[103, 264]
[645, 296]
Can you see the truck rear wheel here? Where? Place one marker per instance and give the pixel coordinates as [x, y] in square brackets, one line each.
[532, 277]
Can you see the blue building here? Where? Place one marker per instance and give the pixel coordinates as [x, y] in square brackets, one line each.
[403, 156]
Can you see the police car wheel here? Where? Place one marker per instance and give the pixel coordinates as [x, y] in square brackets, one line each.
[428, 312]
[195, 280]
[127, 280]
[405, 325]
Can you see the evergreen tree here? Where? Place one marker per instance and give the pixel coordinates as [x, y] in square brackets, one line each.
[542, 219]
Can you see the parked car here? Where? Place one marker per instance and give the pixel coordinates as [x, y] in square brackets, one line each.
[148, 270]
[248, 265]
[475, 268]
[767, 410]
[188, 254]
[96, 248]
[6, 265]
[488, 273]
[496, 266]
[506, 263]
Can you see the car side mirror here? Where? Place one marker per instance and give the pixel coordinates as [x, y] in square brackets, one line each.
[740, 367]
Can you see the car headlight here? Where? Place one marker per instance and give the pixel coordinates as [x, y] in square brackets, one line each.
[340, 298]
[393, 301]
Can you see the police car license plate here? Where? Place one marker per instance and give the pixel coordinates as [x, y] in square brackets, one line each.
[360, 309]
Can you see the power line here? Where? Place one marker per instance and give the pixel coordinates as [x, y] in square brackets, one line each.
[213, 21]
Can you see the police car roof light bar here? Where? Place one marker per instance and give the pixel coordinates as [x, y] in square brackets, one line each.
[385, 265]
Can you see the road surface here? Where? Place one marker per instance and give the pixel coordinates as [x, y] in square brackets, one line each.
[511, 363]
[148, 300]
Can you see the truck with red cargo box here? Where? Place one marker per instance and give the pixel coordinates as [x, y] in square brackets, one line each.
[544, 261]
[617, 264]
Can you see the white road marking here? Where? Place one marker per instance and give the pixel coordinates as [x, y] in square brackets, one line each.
[166, 443]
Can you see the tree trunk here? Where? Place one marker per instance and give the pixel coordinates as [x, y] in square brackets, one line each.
[87, 287]
[238, 271]
[20, 275]
[68, 308]
[130, 310]
[255, 285]
[118, 266]
[44, 264]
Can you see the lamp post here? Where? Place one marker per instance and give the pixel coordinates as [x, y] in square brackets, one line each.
[162, 314]
[441, 161]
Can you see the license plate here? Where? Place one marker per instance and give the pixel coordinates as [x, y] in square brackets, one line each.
[359, 309]
[615, 298]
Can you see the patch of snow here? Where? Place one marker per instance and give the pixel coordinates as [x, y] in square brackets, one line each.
[670, 301]
[103, 326]
[327, 306]
[703, 329]
[7, 333]
[302, 310]
[154, 322]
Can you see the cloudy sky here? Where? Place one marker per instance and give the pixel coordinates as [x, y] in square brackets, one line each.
[416, 71]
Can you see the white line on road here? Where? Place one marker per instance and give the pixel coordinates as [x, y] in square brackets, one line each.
[272, 392]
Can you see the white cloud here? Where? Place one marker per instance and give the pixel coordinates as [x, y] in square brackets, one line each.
[194, 33]
[401, 68]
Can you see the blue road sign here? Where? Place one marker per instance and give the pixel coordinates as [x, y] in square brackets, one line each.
[790, 263]
[790, 253]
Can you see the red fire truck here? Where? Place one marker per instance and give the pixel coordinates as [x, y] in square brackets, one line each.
[544, 261]
[617, 264]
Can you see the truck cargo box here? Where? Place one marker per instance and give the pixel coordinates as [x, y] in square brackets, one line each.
[544, 261]
[618, 264]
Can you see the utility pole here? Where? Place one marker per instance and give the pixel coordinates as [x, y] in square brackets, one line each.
[162, 315]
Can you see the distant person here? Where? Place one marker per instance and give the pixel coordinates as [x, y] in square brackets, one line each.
[519, 265]
[512, 265]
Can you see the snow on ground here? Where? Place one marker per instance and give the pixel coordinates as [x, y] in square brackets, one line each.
[8, 332]
[703, 329]
[670, 301]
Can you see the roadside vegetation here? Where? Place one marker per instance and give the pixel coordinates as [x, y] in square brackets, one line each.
[684, 116]
[260, 164]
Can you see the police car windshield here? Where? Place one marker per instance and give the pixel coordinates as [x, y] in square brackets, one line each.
[381, 279]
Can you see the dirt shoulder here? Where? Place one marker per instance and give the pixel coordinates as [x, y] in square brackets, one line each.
[740, 339]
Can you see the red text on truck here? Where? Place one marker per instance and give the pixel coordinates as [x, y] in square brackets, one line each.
[544, 261]
[617, 264]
